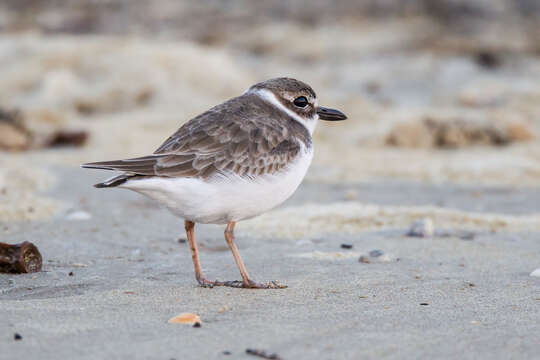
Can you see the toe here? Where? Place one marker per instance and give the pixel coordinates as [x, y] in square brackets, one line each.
[206, 283]
[270, 285]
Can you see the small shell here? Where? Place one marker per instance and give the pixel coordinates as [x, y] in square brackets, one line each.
[185, 318]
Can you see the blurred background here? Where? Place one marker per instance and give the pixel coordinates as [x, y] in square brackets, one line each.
[437, 91]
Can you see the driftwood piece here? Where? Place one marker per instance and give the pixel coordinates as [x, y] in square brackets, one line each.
[19, 258]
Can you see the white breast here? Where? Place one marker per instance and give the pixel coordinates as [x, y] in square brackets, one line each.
[219, 201]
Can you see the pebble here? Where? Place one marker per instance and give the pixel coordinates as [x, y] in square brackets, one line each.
[422, 228]
[78, 215]
[223, 309]
[377, 256]
[376, 253]
[17, 337]
[535, 273]
[487, 59]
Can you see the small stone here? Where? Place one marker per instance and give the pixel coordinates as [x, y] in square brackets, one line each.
[78, 215]
[422, 228]
[535, 273]
[376, 253]
[223, 309]
[17, 337]
[487, 59]
[346, 246]
[182, 240]
[226, 352]
[377, 256]
[466, 235]
[364, 259]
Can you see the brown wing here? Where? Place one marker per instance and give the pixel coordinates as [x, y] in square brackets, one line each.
[228, 138]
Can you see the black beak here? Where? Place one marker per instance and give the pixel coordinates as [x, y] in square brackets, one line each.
[330, 114]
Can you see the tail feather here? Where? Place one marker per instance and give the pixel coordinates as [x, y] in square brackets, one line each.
[136, 167]
[143, 165]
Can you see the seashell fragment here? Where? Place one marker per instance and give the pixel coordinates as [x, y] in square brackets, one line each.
[185, 318]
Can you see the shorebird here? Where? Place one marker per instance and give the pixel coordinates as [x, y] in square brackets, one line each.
[233, 162]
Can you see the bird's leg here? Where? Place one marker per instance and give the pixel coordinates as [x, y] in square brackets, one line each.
[246, 281]
[190, 232]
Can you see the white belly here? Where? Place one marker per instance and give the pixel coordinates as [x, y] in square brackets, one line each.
[219, 201]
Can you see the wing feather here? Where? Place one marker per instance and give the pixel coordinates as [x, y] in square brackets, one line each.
[228, 138]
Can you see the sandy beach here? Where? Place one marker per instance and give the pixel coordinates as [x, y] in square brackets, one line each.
[443, 128]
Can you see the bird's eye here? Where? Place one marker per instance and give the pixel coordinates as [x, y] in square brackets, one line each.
[301, 101]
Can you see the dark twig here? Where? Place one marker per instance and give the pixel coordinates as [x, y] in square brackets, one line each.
[262, 354]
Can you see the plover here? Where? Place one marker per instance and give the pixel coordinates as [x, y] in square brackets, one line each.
[233, 162]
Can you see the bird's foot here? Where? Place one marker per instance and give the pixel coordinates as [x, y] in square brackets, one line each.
[250, 284]
[206, 283]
